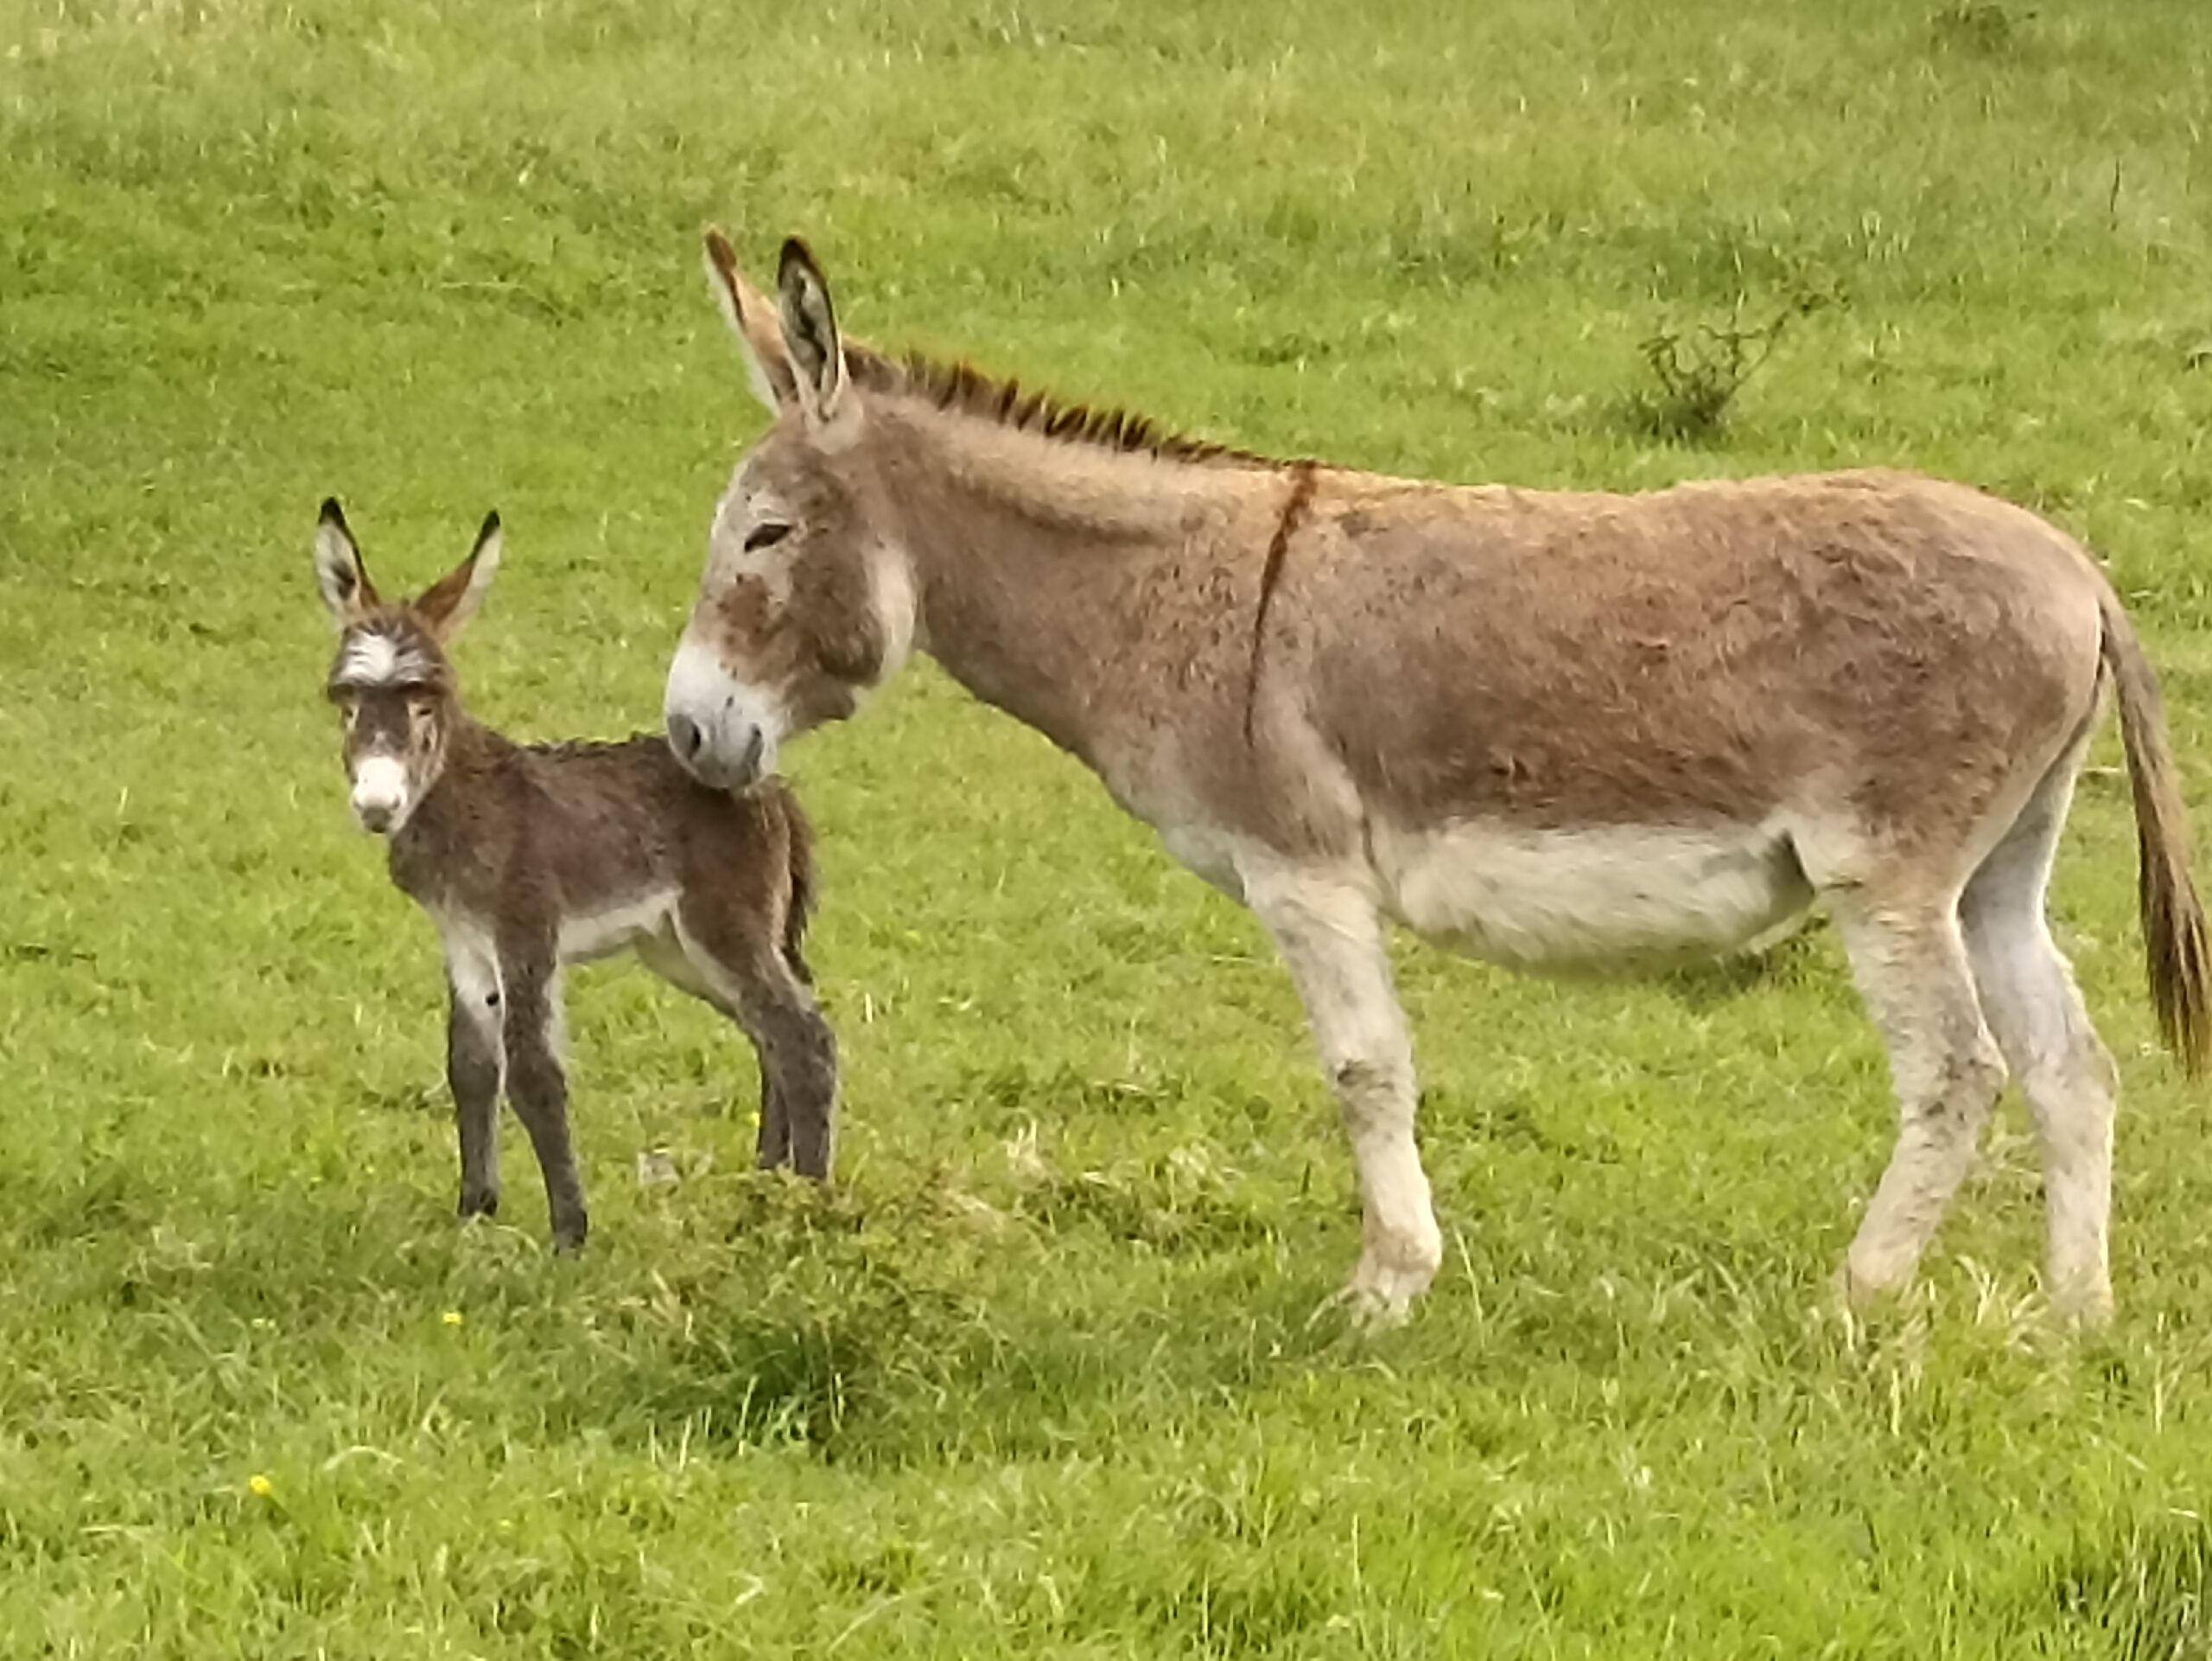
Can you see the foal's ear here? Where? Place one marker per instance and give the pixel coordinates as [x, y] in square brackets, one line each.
[752, 319]
[338, 568]
[448, 604]
[818, 356]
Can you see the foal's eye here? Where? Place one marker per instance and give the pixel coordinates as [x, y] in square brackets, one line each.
[764, 536]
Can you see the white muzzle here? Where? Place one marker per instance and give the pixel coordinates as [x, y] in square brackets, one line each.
[725, 733]
[380, 794]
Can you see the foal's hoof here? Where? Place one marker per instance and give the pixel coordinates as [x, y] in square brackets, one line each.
[478, 1202]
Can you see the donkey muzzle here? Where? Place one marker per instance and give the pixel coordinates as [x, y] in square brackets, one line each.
[720, 731]
[729, 766]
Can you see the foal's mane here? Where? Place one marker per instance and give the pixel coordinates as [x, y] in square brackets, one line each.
[960, 387]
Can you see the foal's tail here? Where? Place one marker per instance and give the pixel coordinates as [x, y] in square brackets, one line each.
[2174, 951]
[798, 905]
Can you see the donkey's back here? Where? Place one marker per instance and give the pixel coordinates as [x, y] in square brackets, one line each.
[617, 835]
[1846, 644]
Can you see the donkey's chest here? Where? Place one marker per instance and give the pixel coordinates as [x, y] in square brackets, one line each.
[1615, 895]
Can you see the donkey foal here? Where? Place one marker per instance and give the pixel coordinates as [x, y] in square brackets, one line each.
[530, 858]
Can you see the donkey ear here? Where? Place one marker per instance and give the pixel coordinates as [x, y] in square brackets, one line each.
[818, 356]
[752, 319]
[338, 568]
[446, 605]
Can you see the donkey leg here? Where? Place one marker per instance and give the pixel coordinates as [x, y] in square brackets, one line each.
[539, 1087]
[473, 1069]
[1330, 937]
[663, 955]
[754, 985]
[1910, 964]
[774, 1146]
[2042, 1027]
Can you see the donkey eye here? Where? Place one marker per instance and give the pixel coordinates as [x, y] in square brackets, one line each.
[764, 536]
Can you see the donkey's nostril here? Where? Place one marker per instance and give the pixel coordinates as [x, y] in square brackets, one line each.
[685, 736]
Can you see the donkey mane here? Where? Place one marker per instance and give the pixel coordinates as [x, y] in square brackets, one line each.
[959, 387]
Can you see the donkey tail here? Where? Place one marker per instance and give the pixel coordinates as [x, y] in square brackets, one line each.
[805, 880]
[2174, 950]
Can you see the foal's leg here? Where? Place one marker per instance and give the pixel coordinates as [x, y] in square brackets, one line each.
[774, 1147]
[1910, 964]
[2040, 1024]
[1330, 937]
[749, 981]
[536, 1084]
[473, 1068]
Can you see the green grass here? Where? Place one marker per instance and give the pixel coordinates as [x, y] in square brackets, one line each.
[1038, 1378]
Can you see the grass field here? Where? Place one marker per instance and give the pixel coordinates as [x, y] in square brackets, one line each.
[1038, 1378]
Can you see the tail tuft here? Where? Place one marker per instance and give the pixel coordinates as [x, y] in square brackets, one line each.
[2174, 954]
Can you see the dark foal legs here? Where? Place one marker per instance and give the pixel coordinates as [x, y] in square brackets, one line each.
[537, 1086]
[797, 1042]
[754, 986]
[775, 1146]
[473, 1056]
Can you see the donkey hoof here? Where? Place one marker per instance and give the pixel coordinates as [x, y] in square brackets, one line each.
[478, 1202]
[569, 1242]
[1862, 1288]
[1367, 1310]
[2086, 1305]
[1380, 1293]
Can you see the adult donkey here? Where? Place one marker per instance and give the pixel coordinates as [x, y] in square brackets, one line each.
[1556, 728]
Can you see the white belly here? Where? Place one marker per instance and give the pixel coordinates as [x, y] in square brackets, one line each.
[1592, 899]
[586, 936]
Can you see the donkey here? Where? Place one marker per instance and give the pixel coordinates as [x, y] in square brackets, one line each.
[533, 856]
[1560, 729]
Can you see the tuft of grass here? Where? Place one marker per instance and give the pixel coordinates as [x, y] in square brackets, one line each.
[1991, 28]
[2146, 1593]
[1696, 372]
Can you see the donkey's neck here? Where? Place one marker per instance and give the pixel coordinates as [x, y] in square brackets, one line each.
[1051, 576]
[426, 853]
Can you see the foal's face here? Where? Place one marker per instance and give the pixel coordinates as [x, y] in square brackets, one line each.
[806, 604]
[392, 682]
[393, 688]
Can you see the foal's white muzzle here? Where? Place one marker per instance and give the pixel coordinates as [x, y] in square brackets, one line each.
[724, 733]
[380, 794]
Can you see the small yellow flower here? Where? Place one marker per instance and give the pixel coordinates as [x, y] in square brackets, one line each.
[452, 1317]
[262, 1486]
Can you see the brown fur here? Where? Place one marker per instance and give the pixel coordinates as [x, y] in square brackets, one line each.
[526, 835]
[1688, 713]
[1294, 505]
[531, 855]
[1715, 651]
